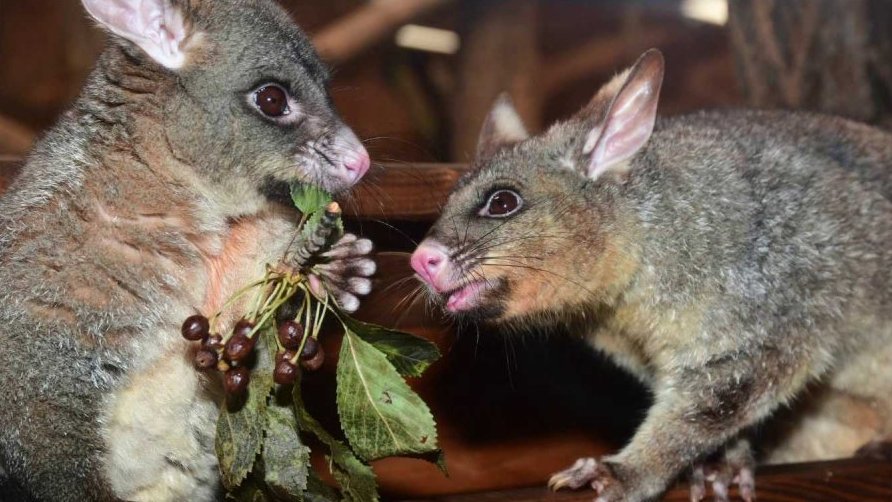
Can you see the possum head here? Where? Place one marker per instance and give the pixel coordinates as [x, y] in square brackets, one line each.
[235, 89]
[536, 228]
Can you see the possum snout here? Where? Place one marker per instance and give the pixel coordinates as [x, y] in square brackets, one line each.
[432, 264]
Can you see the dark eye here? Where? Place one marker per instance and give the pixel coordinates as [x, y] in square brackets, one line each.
[272, 100]
[502, 203]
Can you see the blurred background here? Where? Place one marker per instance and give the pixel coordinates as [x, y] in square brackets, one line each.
[415, 79]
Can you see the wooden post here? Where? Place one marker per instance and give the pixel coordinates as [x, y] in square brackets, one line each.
[499, 54]
[825, 55]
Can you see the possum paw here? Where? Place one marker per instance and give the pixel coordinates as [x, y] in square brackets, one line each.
[588, 471]
[345, 272]
[734, 466]
[880, 449]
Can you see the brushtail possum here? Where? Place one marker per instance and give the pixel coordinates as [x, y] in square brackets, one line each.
[737, 262]
[154, 198]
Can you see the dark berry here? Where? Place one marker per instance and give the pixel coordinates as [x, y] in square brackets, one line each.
[235, 381]
[315, 362]
[196, 328]
[244, 327]
[290, 335]
[205, 359]
[311, 348]
[286, 373]
[213, 342]
[239, 347]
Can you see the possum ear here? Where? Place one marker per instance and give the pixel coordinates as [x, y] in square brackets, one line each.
[156, 26]
[503, 127]
[626, 109]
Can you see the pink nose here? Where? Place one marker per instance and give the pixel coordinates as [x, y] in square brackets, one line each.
[429, 261]
[358, 163]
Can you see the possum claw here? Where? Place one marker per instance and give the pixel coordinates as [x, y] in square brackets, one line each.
[347, 270]
[734, 466]
[581, 473]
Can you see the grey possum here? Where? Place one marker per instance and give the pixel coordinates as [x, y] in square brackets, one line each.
[737, 262]
[155, 197]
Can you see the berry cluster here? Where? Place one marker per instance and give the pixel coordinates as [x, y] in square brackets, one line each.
[291, 294]
[285, 296]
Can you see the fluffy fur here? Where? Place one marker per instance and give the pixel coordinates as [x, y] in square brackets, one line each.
[152, 199]
[737, 263]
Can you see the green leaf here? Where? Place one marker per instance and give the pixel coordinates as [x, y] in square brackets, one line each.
[309, 199]
[380, 414]
[240, 426]
[409, 354]
[356, 479]
[286, 460]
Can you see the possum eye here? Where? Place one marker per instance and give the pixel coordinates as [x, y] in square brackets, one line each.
[502, 203]
[272, 101]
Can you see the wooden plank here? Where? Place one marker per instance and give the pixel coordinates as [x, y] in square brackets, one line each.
[15, 138]
[842, 480]
[9, 167]
[391, 192]
[414, 192]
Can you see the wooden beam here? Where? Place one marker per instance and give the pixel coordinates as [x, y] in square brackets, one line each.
[851, 480]
[14, 137]
[369, 25]
[391, 192]
[408, 192]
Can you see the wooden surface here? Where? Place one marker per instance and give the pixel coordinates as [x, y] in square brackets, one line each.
[844, 480]
[391, 192]
[404, 192]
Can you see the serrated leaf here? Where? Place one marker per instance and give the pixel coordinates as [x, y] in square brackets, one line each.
[409, 354]
[356, 479]
[240, 428]
[309, 199]
[286, 460]
[380, 414]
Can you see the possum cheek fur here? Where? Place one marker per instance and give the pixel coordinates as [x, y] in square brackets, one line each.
[559, 254]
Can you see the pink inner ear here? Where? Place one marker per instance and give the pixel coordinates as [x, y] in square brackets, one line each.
[154, 25]
[629, 125]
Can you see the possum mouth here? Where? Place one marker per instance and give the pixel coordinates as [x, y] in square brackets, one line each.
[468, 297]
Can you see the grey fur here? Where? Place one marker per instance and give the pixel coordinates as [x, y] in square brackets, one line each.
[100, 235]
[743, 257]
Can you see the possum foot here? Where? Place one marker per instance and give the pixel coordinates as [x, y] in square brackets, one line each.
[588, 471]
[733, 466]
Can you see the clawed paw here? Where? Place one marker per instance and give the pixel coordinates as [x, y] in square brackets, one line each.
[736, 467]
[586, 471]
[345, 271]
